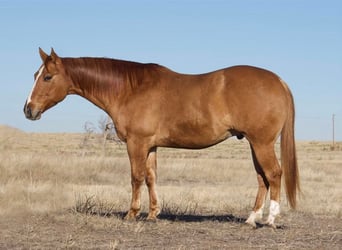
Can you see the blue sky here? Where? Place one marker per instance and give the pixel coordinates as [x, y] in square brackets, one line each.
[299, 40]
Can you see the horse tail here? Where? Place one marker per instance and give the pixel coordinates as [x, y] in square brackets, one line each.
[288, 153]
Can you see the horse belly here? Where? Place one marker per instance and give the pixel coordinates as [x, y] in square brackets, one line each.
[197, 121]
[193, 135]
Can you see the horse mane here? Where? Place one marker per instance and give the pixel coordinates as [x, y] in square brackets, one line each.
[105, 75]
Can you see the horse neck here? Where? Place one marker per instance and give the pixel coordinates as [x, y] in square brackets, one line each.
[102, 81]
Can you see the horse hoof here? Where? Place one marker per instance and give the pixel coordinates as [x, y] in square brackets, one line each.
[151, 219]
[152, 215]
[251, 223]
[131, 216]
[271, 225]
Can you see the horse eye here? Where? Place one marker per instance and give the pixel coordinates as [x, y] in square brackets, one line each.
[47, 78]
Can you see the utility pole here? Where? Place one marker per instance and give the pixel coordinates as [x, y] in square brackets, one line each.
[333, 132]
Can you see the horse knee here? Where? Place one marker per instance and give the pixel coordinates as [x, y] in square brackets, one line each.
[150, 181]
[137, 180]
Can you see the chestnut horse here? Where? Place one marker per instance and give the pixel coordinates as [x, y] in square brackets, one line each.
[152, 106]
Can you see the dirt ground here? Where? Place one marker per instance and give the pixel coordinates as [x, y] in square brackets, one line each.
[70, 230]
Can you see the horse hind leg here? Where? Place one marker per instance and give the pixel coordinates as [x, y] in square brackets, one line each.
[266, 159]
[263, 185]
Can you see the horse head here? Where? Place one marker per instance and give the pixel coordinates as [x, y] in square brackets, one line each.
[51, 86]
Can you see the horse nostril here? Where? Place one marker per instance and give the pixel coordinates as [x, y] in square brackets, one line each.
[27, 110]
[32, 112]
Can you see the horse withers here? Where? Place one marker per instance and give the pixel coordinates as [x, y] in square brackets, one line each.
[153, 106]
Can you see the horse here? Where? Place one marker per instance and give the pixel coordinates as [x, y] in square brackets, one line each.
[153, 106]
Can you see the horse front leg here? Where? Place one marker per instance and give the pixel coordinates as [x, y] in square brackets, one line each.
[138, 158]
[150, 178]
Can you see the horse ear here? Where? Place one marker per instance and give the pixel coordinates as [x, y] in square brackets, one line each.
[55, 58]
[42, 54]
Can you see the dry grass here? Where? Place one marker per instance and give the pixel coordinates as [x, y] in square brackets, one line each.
[60, 177]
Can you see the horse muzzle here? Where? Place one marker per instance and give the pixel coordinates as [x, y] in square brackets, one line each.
[31, 113]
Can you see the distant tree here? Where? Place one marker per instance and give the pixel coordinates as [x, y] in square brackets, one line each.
[108, 130]
[102, 123]
[89, 129]
[105, 131]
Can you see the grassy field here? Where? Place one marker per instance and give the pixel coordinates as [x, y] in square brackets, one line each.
[72, 190]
